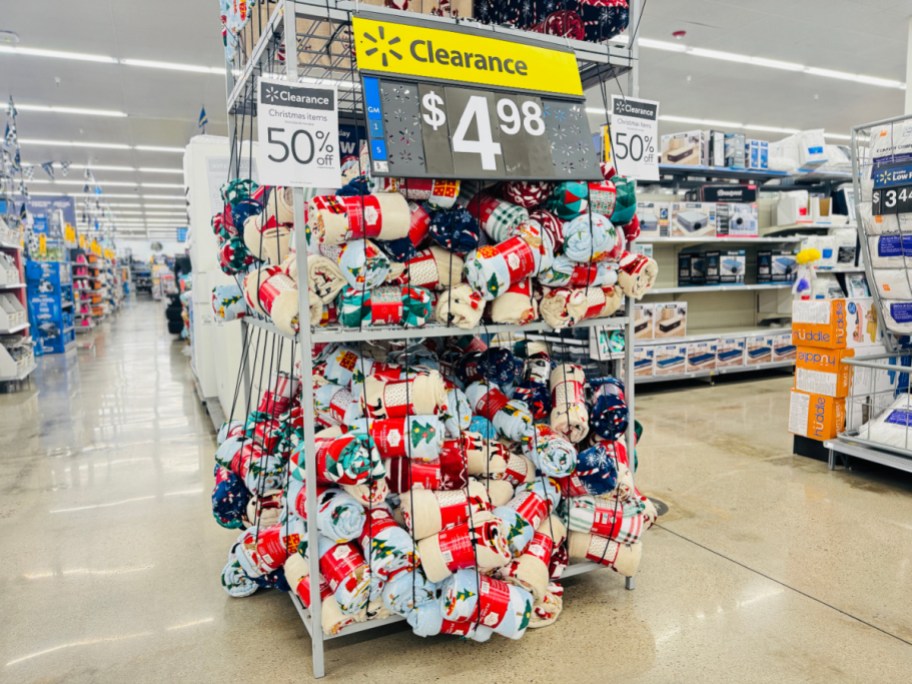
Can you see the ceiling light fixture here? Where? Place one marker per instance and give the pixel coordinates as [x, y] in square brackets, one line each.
[163, 185]
[700, 122]
[152, 169]
[163, 197]
[56, 54]
[173, 66]
[74, 143]
[55, 109]
[83, 183]
[156, 148]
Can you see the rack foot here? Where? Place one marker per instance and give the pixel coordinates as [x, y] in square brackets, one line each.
[630, 583]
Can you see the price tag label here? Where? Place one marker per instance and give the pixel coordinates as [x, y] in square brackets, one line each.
[429, 130]
[634, 137]
[298, 135]
[892, 201]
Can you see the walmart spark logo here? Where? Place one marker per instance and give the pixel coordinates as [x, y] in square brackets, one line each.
[383, 44]
[271, 94]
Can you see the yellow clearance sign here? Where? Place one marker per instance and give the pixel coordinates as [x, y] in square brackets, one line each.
[411, 50]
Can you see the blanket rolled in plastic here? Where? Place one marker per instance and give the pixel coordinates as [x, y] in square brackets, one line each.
[492, 269]
[334, 219]
[510, 417]
[551, 453]
[422, 393]
[335, 405]
[332, 618]
[427, 512]
[458, 415]
[527, 194]
[569, 415]
[637, 274]
[596, 472]
[439, 193]
[373, 493]
[324, 278]
[340, 517]
[473, 598]
[516, 306]
[565, 272]
[229, 499]
[395, 305]
[531, 570]
[346, 572]
[499, 219]
[234, 580]
[443, 475]
[525, 512]
[460, 306]
[608, 414]
[228, 302]
[363, 264]
[279, 205]
[480, 544]
[388, 548]
[262, 551]
[349, 459]
[433, 268]
[562, 308]
[427, 620]
[267, 240]
[456, 230]
[593, 238]
[418, 437]
[609, 518]
[495, 364]
[624, 559]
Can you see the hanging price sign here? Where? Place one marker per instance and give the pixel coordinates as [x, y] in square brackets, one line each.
[634, 137]
[892, 201]
[458, 104]
[298, 130]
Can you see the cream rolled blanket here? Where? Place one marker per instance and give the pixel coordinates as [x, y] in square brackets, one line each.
[480, 543]
[569, 414]
[624, 559]
[336, 219]
[531, 570]
[637, 274]
[297, 573]
[426, 512]
[460, 306]
[267, 240]
[324, 278]
[422, 393]
[280, 206]
[516, 306]
[433, 268]
[562, 308]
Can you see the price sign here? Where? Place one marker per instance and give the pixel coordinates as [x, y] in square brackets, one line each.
[298, 135]
[634, 137]
[430, 130]
[892, 201]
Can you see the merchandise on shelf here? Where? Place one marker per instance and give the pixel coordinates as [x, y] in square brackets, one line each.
[51, 306]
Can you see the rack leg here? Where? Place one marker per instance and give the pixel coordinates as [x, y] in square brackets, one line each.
[630, 583]
[831, 460]
[316, 640]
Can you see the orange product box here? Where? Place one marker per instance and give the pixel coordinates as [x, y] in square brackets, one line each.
[819, 323]
[822, 371]
[816, 416]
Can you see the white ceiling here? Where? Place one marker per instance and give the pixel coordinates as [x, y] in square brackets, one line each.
[860, 36]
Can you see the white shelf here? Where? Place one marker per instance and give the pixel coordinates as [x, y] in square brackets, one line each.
[714, 372]
[18, 328]
[9, 245]
[714, 334]
[719, 288]
[851, 269]
[11, 286]
[697, 240]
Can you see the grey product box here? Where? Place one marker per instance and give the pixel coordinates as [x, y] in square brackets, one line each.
[734, 150]
[732, 266]
[716, 149]
[711, 267]
[737, 219]
[684, 261]
[764, 266]
[697, 269]
[775, 266]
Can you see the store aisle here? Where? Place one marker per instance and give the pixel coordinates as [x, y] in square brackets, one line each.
[767, 568]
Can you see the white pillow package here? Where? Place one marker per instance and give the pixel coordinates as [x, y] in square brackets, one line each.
[891, 250]
[893, 426]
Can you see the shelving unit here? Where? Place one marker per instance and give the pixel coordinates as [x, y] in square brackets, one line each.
[323, 55]
[17, 357]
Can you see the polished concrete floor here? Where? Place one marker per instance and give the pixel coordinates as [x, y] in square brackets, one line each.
[767, 568]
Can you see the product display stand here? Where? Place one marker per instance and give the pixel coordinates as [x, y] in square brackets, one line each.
[17, 358]
[322, 54]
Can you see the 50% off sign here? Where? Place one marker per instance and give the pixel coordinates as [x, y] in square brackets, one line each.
[298, 130]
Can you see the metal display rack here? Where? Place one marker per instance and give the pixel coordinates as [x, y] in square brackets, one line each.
[321, 32]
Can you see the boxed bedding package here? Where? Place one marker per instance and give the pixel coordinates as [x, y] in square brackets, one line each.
[670, 359]
[701, 356]
[727, 267]
[822, 371]
[643, 321]
[670, 319]
[689, 219]
[654, 218]
[759, 350]
[816, 416]
[735, 157]
[783, 347]
[835, 323]
[737, 220]
[777, 266]
[756, 154]
[730, 352]
[691, 269]
[644, 362]
[686, 149]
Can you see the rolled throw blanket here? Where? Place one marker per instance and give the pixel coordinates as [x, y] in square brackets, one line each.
[260, 470]
[416, 437]
[426, 512]
[525, 512]
[534, 387]
[520, 470]
[343, 364]
[608, 414]
[442, 194]
[516, 306]
[551, 225]
[547, 609]
[443, 475]
[596, 471]
[427, 620]
[262, 551]
[562, 308]
[234, 580]
[267, 240]
[483, 457]
[374, 493]
[593, 238]
[340, 517]
[324, 278]
[460, 306]
[469, 597]
[252, 282]
[458, 416]
[406, 590]
[607, 518]
[527, 194]
[278, 297]
[363, 264]
[603, 197]
[228, 302]
[332, 619]
[569, 200]
[636, 274]
[456, 230]
[480, 544]
[565, 272]
[492, 269]
[406, 248]
[498, 219]
[626, 204]
[410, 307]
[234, 257]
[510, 417]
[622, 558]
[335, 219]
[632, 230]
[552, 454]
[495, 364]
[347, 460]
[279, 205]
[422, 393]
[233, 428]
[345, 571]
[433, 268]
[531, 570]
[569, 415]
[335, 405]
[229, 499]
[389, 549]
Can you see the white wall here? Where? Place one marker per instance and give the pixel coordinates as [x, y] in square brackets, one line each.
[142, 249]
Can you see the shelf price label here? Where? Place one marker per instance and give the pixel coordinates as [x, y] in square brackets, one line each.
[892, 201]
[298, 130]
[431, 130]
[634, 137]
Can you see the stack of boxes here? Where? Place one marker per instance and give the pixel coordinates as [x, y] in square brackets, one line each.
[827, 332]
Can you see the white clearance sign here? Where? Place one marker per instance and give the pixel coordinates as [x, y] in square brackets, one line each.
[298, 135]
[634, 137]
